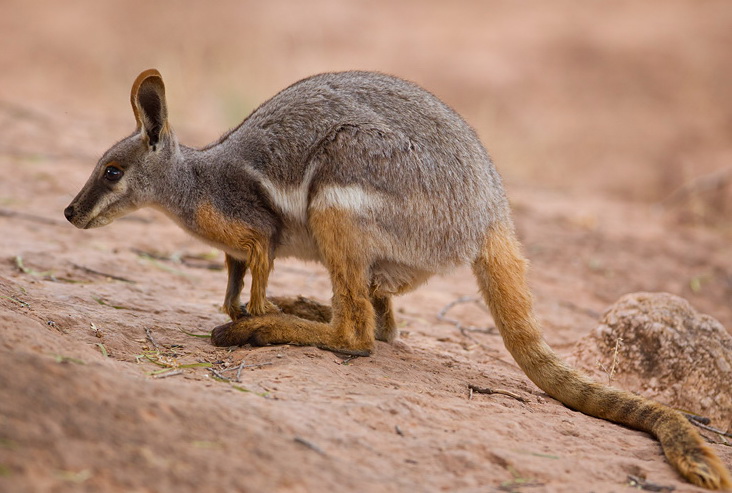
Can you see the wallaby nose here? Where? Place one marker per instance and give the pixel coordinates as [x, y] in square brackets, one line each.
[69, 212]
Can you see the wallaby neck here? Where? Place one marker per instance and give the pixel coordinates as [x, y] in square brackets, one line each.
[216, 177]
[179, 189]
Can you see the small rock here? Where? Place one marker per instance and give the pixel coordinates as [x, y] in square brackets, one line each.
[669, 352]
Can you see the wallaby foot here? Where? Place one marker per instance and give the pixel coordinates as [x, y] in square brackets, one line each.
[304, 308]
[289, 329]
[386, 329]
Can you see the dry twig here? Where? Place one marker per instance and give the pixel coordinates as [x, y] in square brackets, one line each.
[218, 375]
[613, 366]
[241, 366]
[442, 315]
[703, 423]
[238, 371]
[171, 373]
[486, 390]
[309, 445]
[645, 485]
[150, 338]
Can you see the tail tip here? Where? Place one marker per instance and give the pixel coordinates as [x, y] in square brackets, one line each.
[705, 469]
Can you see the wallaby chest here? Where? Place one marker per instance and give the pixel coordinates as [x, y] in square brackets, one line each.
[231, 235]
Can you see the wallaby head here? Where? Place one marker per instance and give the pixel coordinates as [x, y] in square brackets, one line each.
[122, 179]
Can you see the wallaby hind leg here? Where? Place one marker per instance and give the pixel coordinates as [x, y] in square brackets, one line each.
[308, 309]
[351, 329]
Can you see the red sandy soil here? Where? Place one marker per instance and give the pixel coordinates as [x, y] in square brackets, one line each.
[611, 124]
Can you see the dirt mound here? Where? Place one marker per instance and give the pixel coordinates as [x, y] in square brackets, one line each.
[658, 345]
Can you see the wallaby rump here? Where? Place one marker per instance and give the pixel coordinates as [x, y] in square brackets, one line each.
[385, 185]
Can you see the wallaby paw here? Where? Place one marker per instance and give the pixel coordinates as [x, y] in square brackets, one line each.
[261, 338]
[266, 308]
[235, 312]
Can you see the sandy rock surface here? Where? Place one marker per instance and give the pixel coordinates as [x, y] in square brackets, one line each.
[600, 117]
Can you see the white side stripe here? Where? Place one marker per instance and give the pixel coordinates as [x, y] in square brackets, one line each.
[351, 197]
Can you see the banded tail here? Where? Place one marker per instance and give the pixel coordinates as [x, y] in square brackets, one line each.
[501, 273]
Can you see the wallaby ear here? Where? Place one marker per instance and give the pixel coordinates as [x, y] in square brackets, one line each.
[149, 106]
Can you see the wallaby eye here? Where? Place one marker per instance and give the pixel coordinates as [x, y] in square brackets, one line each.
[113, 173]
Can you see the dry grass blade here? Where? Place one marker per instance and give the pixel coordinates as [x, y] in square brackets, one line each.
[103, 350]
[104, 303]
[309, 445]
[32, 272]
[157, 261]
[67, 359]
[21, 303]
[196, 365]
[102, 274]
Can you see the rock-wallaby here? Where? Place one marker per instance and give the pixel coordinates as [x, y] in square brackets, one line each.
[385, 185]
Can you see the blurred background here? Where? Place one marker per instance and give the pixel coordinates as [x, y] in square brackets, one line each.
[631, 99]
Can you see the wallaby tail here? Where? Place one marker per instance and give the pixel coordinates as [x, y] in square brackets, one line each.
[500, 270]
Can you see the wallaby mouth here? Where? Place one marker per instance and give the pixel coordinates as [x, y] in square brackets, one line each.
[81, 222]
[103, 212]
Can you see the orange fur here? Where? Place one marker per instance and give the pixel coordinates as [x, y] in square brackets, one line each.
[351, 328]
[218, 228]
